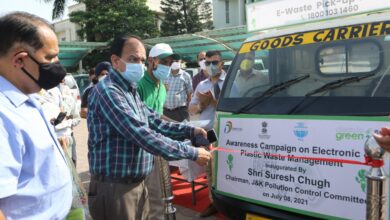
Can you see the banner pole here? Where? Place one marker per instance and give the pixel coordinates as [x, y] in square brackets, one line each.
[376, 181]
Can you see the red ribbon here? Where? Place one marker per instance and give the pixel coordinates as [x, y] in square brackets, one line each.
[368, 161]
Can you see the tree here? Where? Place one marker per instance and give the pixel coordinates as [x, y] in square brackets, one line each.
[58, 8]
[185, 16]
[105, 19]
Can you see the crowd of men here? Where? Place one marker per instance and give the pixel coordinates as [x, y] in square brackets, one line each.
[133, 114]
[128, 128]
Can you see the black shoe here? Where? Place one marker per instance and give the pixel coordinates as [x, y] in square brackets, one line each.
[209, 211]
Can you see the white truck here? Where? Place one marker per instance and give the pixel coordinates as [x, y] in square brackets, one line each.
[292, 133]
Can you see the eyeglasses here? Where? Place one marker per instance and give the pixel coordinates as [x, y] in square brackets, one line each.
[215, 62]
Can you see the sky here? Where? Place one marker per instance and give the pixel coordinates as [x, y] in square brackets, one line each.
[37, 7]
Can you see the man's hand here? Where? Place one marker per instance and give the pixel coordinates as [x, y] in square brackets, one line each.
[383, 138]
[83, 112]
[201, 131]
[203, 157]
[205, 98]
[2, 217]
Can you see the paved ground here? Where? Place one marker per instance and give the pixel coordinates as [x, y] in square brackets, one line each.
[81, 135]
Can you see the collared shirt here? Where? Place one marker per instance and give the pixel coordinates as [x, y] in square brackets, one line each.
[179, 86]
[123, 132]
[35, 181]
[154, 96]
[198, 78]
[65, 128]
[209, 113]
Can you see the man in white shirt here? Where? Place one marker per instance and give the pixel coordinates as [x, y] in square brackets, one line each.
[204, 101]
[179, 91]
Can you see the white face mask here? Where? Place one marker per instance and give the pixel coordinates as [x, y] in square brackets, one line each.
[175, 66]
[202, 64]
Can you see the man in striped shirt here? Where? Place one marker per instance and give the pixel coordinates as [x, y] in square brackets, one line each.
[123, 135]
[179, 92]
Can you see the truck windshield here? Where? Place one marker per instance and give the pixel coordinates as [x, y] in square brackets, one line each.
[256, 71]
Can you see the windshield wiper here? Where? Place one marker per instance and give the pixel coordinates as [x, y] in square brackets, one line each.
[269, 92]
[329, 86]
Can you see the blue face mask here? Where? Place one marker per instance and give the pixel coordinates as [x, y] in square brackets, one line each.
[161, 72]
[134, 72]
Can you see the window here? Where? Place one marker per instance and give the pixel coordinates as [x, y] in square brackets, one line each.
[354, 58]
[251, 74]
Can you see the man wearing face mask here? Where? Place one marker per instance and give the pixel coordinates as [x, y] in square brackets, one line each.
[100, 73]
[179, 89]
[248, 77]
[33, 170]
[205, 97]
[202, 74]
[151, 87]
[204, 101]
[153, 93]
[124, 134]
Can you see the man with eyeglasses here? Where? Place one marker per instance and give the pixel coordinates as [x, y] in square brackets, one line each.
[124, 134]
[202, 75]
[204, 101]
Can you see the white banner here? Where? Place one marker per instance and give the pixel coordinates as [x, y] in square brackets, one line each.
[276, 13]
[246, 171]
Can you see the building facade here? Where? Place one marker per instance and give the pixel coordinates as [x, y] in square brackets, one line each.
[67, 31]
[229, 13]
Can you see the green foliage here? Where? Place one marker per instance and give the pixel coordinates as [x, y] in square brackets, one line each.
[185, 16]
[105, 19]
[58, 8]
[95, 57]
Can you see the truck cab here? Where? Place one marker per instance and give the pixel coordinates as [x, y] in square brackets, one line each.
[297, 105]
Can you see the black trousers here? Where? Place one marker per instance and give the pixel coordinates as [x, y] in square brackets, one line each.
[177, 114]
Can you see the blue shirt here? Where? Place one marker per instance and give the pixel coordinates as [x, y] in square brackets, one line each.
[123, 132]
[35, 181]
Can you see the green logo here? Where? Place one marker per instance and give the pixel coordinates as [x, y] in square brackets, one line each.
[354, 136]
[349, 136]
[230, 162]
[361, 179]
